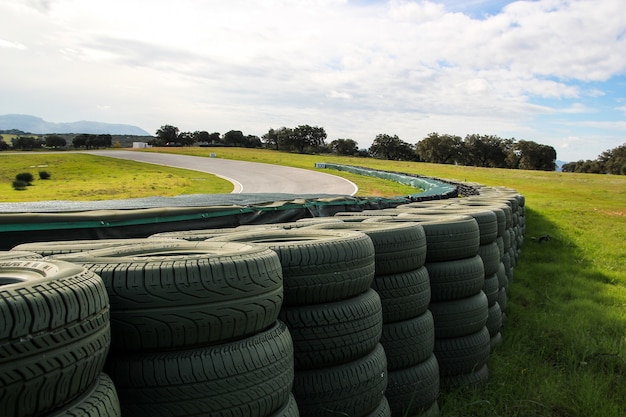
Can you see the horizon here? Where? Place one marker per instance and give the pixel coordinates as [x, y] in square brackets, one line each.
[547, 71]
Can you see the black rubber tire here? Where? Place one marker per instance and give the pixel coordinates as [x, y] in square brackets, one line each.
[353, 389]
[383, 409]
[503, 280]
[490, 255]
[448, 237]
[398, 247]
[100, 400]
[404, 295]
[463, 355]
[18, 254]
[54, 334]
[486, 219]
[452, 280]
[494, 321]
[74, 246]
[503, 299]
[412, 391]
[178, 294]
[496, 341]
[491, 288]
[251, 377]
[456, 318]
[408, 342]
[475, 378]
[289, 409]
[334, 333]
[319, 266]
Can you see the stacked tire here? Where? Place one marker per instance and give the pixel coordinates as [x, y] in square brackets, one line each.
[54, 339]
[195, 328]
[408, 337]
[458, 304]
[334, 317]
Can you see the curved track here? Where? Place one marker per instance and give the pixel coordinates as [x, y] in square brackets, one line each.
[247, 177]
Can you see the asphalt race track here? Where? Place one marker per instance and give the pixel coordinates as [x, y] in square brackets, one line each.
[247, 177]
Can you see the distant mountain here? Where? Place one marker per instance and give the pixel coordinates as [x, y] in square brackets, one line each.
[37, 125]
[559, 165]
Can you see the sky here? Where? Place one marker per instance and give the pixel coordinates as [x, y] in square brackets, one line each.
[549, 71]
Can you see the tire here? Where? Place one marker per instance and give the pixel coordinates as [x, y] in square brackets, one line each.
[491, 289]
[334, 333]
[408, 342]
[503, 299]
[413, 390]
[450, 237]
[73, 246]
[463, 355]
[177, 294]
[54, 334]
[251, 377]
[353, 389]
[457, 279]
[404, 295]
[486, 219]
[100, 400]
[475, 378]
[289, 409]
[503, 280]
[494, 321]
[18, 254]
[490, 255]
[382, 410]
[458, 318]
[319, 266]
[398, 247]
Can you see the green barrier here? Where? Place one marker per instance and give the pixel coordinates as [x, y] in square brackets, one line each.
[430, 187]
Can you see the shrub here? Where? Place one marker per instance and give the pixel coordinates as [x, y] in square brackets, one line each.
[19, 185]
[26, 177]
[44, 175]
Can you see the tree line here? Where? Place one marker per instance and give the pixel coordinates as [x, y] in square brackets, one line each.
[473, 150]
[27, 142]
[612, 161]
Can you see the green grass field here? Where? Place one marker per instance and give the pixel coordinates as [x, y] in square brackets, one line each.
[87, 177]
[564, 350]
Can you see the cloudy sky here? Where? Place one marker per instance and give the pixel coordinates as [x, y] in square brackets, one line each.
[550, 71]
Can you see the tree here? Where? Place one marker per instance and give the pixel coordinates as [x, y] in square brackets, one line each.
[55, 141]
[80, 141]
[185, 139]
[201, 136]
[391, 148]
[344, 147]
[308, 137]
[26, 142]
[531, 155]
[281, 138]
[167, 134]
[614, 160]
[440, 149]
[484, 151]
[234, 138]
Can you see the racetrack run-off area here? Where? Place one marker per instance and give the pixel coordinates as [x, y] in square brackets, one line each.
[247, 177]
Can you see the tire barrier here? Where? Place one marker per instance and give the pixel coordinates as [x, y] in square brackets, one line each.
[408, 299]
[18, 254]
[251, 377]
[54, 337]
[408, 329]
[334, 317]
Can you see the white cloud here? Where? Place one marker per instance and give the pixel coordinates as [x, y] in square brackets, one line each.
[405, 66]
[11, 45]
